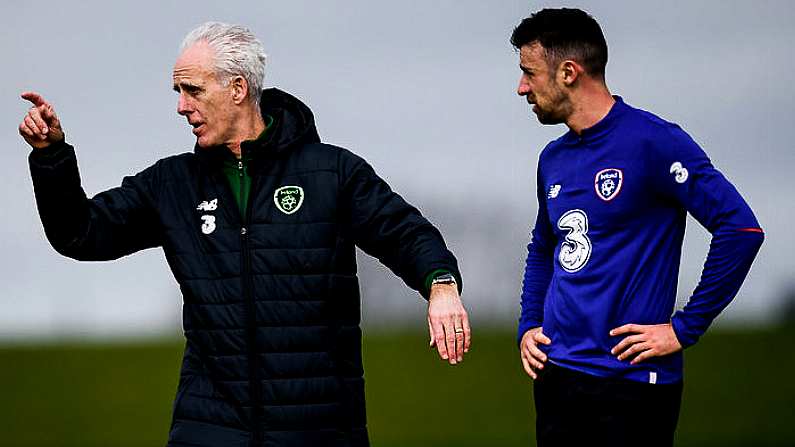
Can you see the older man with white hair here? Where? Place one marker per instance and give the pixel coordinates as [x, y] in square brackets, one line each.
[259, 225]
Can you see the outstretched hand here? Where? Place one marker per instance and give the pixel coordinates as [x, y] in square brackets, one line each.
[448, 323]
[645, 341]
[40, 127]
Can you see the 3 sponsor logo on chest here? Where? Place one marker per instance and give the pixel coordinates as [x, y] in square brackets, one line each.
[608, 182]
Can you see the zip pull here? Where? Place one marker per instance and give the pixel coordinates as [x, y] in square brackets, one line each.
[240, 167]
[243, 231]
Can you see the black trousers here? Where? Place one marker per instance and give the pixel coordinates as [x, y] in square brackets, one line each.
[573, 409]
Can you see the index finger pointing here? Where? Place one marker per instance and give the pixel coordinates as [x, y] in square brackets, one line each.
[34, 97]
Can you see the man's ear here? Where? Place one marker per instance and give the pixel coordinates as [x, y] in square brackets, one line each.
[239, 89]
[569, 71]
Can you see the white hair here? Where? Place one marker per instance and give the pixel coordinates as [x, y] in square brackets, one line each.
[237, 53]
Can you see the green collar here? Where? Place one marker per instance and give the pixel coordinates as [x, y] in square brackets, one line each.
[231, 162]
[268, 123]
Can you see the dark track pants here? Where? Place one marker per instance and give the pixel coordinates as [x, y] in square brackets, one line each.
[573, 409]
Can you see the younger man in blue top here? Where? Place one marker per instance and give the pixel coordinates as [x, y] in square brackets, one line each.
[596, 329]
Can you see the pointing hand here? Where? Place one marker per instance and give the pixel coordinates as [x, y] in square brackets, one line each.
[40, 127]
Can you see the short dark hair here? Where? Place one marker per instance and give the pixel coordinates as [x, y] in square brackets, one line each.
[565, 33]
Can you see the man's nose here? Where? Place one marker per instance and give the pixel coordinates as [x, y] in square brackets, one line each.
[183, 108]
[524, 88]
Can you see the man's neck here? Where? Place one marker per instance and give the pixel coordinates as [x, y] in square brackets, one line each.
[251, 126]
[591, 104]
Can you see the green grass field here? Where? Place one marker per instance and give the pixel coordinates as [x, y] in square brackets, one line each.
[738, 392]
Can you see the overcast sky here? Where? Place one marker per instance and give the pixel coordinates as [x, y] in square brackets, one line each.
[423, 90]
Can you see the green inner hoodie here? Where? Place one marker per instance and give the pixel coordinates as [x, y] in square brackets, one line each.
[236, 171]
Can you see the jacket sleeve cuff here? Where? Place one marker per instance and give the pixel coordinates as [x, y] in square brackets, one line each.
[431, 276]
[50, 154]
[426, 289]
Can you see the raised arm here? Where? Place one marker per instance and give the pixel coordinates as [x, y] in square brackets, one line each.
[113, 224]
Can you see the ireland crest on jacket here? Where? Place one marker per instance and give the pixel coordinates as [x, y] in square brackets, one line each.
[608, 183]
[288, 198]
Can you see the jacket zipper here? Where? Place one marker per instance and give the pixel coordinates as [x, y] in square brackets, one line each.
[255, 386]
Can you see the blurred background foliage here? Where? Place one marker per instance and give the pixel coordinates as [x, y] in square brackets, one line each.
[738, 392]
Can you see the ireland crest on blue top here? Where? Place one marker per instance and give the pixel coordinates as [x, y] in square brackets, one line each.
[608, 183]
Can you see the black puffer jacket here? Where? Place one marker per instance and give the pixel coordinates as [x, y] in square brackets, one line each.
[271, 304]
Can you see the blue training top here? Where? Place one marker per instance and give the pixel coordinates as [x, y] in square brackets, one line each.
[607, 241]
